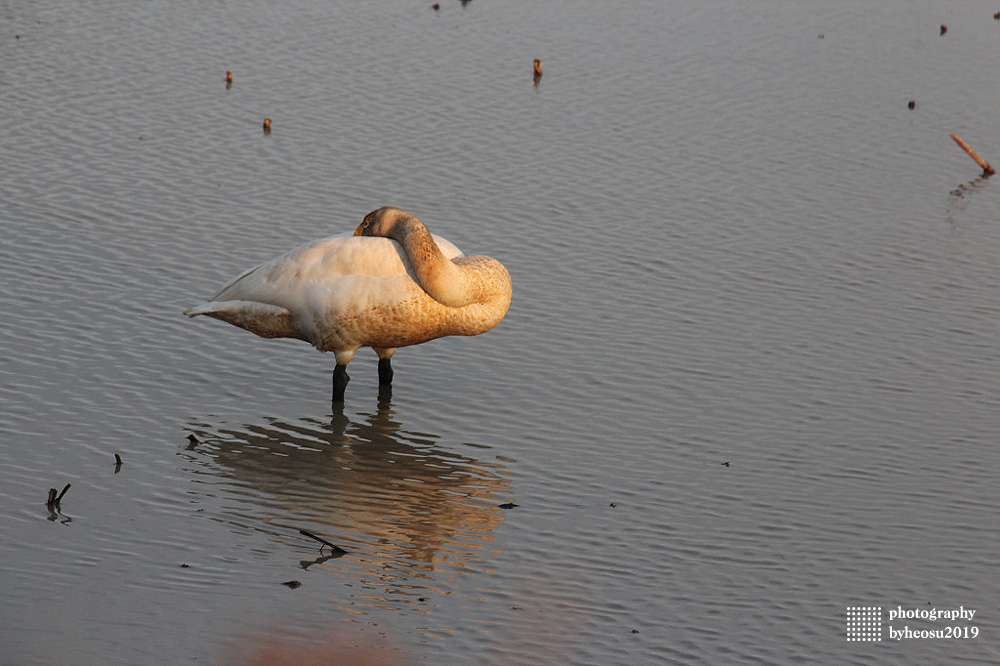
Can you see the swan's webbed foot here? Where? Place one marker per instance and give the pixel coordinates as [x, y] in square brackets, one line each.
[340, 380]
[384, 372]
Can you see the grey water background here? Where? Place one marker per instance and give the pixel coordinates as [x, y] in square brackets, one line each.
[749, 378]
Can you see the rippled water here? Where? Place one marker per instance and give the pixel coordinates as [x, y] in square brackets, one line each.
[749, 377]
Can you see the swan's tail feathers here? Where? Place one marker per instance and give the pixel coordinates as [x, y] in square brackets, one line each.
[263, 319]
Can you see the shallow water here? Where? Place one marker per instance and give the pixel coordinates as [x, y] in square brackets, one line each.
[749, 377]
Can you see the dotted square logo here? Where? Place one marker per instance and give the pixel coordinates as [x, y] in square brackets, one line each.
[864, 623]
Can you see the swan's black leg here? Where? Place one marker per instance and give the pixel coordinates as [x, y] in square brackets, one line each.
[384, 382]
[384, 372]
[340, 380]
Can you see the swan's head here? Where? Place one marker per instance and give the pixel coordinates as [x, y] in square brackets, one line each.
[382, 222]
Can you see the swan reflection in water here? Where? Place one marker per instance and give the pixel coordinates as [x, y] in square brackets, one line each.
[399, 504]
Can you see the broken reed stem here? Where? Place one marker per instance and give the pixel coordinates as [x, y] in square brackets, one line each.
[58, 499]
[987, 169]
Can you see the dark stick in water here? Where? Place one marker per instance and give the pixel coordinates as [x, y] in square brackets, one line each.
[323, 541]
[54, 498]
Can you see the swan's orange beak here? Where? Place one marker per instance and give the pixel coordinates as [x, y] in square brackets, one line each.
[360, 231]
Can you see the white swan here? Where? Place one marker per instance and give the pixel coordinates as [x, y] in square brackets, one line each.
[390, 285]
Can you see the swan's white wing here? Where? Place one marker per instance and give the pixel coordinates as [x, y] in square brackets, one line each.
[303, 291]
[324, 261]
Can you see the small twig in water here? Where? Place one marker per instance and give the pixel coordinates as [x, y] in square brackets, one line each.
[59, 499]
[334, 547]
[52, 497]
[987, 169]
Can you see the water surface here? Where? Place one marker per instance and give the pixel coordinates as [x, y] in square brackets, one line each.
[749, 377]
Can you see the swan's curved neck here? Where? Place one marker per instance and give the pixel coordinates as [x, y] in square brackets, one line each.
[441, 278]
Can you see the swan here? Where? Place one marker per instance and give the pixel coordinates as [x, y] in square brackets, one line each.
[391, 284]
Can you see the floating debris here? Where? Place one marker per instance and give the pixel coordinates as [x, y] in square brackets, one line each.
[229, 76]
[614, 505]
[725, 464]
[912, 104]
[267, 125]
[944, 28]
[538, 71]
[194, 441]
[435, 6]
[508, 505]
[292, 584]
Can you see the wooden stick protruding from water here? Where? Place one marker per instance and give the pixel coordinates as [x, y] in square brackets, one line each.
[334, 547]
[987, 169]
[54, 499]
